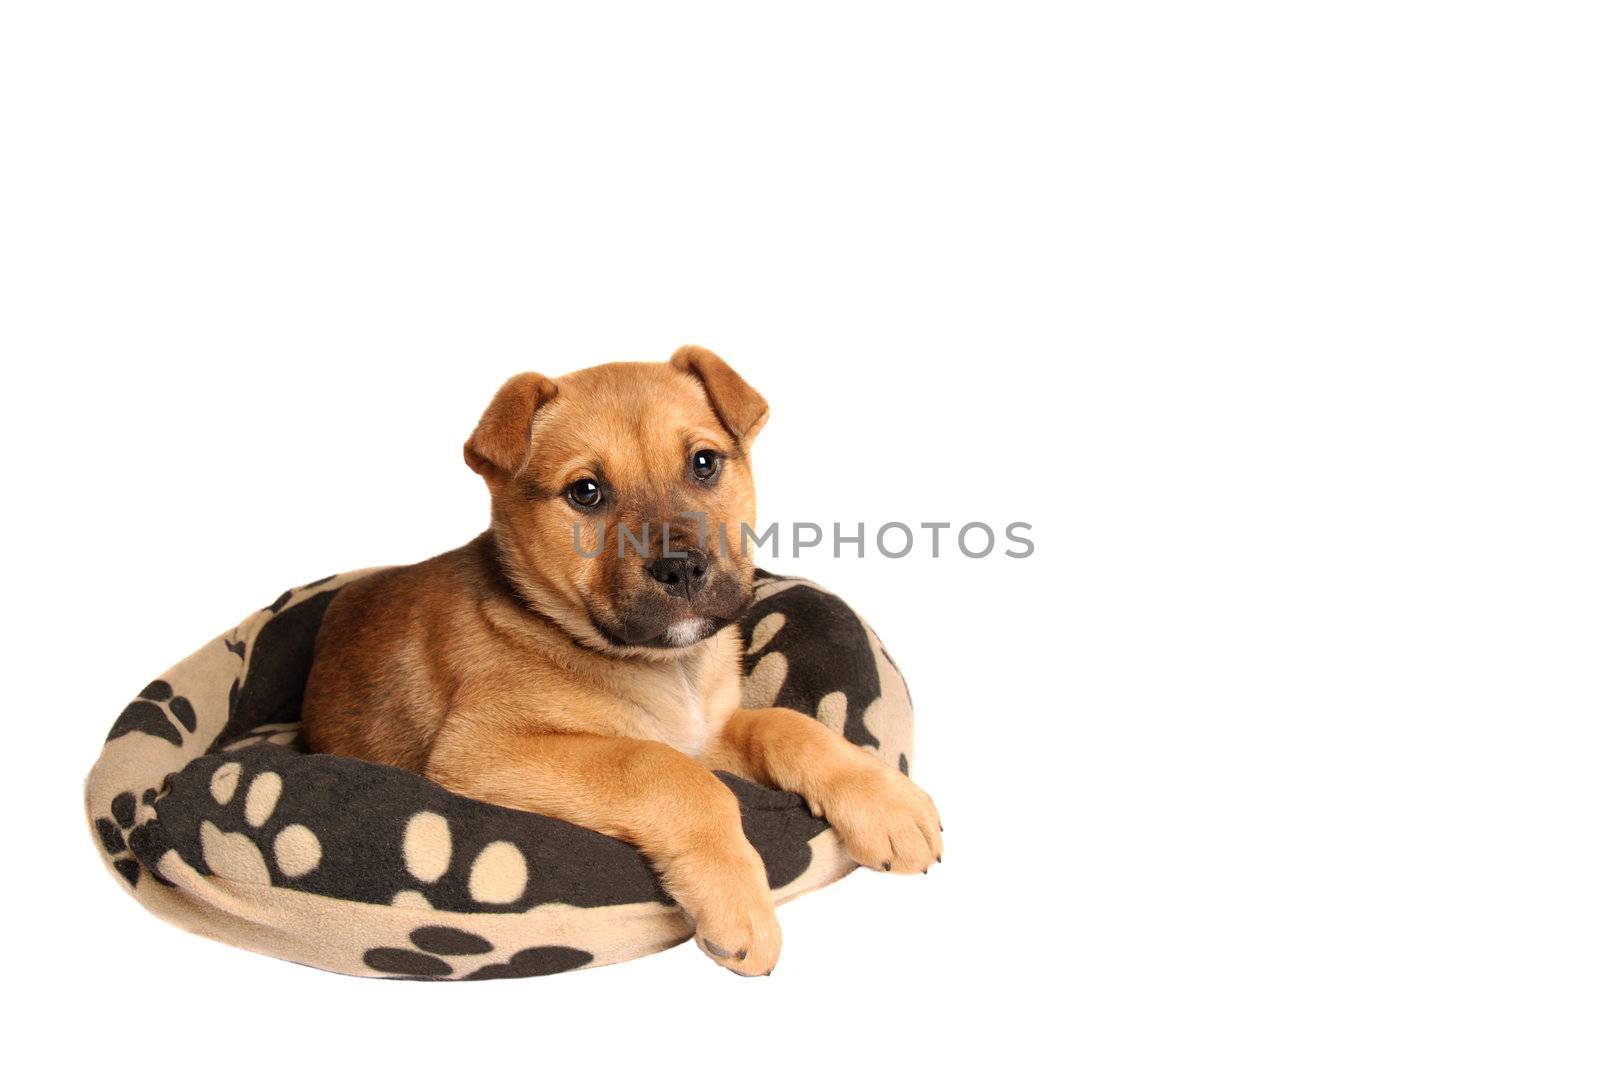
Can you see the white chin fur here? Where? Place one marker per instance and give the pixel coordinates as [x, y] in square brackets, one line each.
[683, 633]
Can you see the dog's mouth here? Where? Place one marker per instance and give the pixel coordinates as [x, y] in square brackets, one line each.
[684, 632]
[667, 624]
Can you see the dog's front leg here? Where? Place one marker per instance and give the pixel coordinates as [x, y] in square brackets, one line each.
[886, 821]
[671, 808]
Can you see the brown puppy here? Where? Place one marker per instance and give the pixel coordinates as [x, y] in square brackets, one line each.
[604, 689]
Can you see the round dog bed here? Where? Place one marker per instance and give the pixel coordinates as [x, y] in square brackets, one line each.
[206, 806]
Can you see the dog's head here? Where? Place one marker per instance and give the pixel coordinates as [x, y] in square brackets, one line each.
[621, 495]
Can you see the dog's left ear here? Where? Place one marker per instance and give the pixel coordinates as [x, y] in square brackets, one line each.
[736, 403]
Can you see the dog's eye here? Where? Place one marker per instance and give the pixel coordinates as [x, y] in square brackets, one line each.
[705, 464]
[584, 493]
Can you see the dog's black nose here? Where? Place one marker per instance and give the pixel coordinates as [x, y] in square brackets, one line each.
[681, 576]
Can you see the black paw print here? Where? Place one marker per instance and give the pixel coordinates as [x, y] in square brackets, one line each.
[433, 942]
[532, 962]
[157, 712]
[114, 831]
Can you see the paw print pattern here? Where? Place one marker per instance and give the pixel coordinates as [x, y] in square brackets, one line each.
[294, 848]
[264, 698]
[116, 832]
[381, 835]
[499, 873]
[430, 945]
[823, 665]
[157, 712]
[283, 733]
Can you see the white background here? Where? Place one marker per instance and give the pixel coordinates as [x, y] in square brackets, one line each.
[1278, 323]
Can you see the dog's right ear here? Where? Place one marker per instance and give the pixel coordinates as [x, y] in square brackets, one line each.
[500, 444]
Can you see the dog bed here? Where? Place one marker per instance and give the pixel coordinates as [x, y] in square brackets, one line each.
[208, 809]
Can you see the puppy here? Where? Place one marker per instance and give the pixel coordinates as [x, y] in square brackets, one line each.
[526, 670]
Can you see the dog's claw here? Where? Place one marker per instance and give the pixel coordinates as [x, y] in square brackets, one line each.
[741, 953]
[887, 823]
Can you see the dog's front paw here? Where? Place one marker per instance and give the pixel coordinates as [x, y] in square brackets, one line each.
[885, 820]
[728, 899]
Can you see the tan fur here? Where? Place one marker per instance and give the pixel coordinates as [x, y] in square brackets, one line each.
[515, 671]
